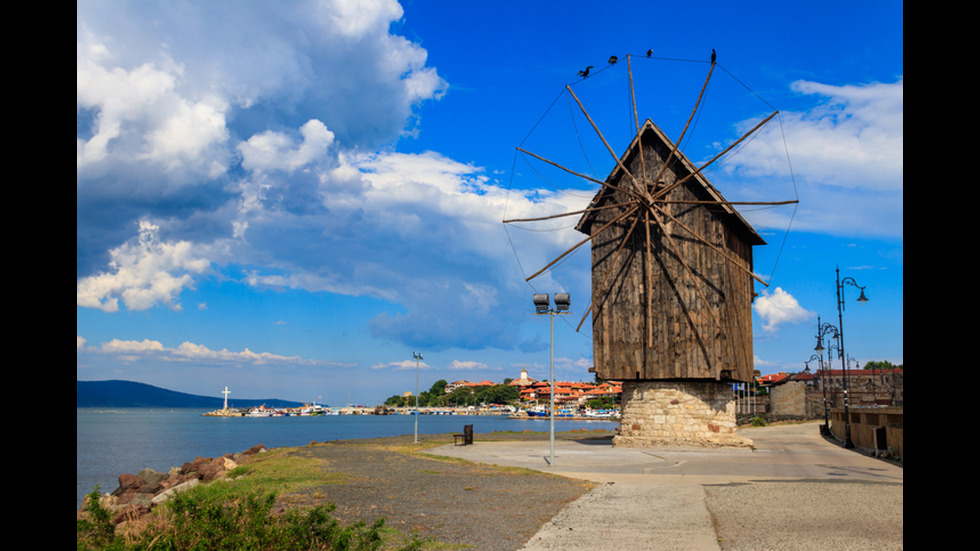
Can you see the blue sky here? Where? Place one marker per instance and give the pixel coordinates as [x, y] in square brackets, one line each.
[289, 199]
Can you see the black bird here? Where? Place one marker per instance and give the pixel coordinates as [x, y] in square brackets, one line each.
[613, 60]
[713, 57]
[585, 72]
[649, 53]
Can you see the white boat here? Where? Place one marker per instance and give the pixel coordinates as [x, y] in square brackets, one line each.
[602, 413]
[260, 411]
[312, 409]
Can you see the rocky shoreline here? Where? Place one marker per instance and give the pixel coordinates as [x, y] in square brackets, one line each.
[138, 494]
[428, 496]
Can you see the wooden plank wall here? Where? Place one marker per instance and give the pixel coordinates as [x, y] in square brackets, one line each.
[701, 322]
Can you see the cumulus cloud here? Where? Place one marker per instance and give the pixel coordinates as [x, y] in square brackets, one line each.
[458, 365]
[401, 365]
[779, 308]
[260, 140]
[142, 273]
[131, 350]
[271, 150]
[846, 152]
[175, 101]
[228, 126]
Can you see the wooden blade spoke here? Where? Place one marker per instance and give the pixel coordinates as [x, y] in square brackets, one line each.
[660, 193]
[646, 224]
[579, 174]
[602, 285]
[693, 202]
[584, 241]
[639, 138]
[572, 213]
[713, 247]
[677, 144]
[601, 137]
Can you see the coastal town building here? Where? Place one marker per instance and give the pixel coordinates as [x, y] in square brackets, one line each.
[567, 393]
[865, 387]
[524, 381]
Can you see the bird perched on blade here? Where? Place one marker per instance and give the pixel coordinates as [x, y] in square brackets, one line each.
[613, 60]
[585, 72]
[713, 57]
[649, 53]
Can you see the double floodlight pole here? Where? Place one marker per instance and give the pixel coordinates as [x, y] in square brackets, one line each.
[418, 358]
[542, 307]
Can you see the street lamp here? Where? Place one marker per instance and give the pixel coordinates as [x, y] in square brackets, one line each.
[418, 357]
[823, 329]
[840, 340]
[823, 384]
[542, 307]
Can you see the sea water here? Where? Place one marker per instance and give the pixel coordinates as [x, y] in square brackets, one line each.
[111, 442]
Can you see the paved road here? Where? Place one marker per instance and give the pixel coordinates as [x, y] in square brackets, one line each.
[793, 491]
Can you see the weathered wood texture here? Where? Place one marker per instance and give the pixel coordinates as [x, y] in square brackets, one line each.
[653, 317]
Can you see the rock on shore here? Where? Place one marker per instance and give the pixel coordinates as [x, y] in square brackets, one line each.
[138, 494]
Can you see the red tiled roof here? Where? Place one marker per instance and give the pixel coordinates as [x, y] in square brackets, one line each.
[772, 378]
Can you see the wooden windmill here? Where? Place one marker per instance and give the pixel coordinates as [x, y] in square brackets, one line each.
[672, 266]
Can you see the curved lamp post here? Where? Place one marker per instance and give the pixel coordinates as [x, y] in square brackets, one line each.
[823, 384]
[840, 340]
[542, 307]
[822, 330]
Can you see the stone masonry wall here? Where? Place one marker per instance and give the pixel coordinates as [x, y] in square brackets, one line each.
[789, 399]
[678, 413]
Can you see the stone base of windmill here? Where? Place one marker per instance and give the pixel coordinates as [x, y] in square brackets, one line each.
[678, 413]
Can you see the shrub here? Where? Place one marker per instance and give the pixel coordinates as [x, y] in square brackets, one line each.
[193, 522]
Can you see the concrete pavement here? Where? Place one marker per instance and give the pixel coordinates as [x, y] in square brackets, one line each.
[792, 490]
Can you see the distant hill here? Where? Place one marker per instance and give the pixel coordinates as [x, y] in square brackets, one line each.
[140, 395]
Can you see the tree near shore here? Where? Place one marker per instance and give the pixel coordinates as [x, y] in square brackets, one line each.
[881, 365]
[463, 396]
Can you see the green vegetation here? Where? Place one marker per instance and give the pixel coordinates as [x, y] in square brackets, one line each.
[237, 513]
[601, 403]
[759, 421]
[460, 397]
[190, 521]
[882, 365]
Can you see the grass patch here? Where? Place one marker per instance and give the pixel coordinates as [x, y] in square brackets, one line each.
[282, 470]
[240, 512]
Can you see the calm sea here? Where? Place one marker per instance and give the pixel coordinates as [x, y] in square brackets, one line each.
[111, 442]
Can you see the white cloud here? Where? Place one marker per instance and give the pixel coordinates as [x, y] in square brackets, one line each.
[166, 93]
[143, 273]
[466, 365]
[401, 365]
[141, 114]
[224, 123]
[130, 350]
[271, 150]
[854, 139]
[355, 18]
[846, 153]
[778, 308]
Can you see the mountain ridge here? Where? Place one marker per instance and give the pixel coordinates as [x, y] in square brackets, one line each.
[119, 393]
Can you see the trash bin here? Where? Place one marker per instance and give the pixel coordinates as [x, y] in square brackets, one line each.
[879, 437]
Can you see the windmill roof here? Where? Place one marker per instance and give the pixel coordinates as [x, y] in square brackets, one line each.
[651, 129]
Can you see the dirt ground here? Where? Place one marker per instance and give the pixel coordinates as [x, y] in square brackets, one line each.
[468, 505]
